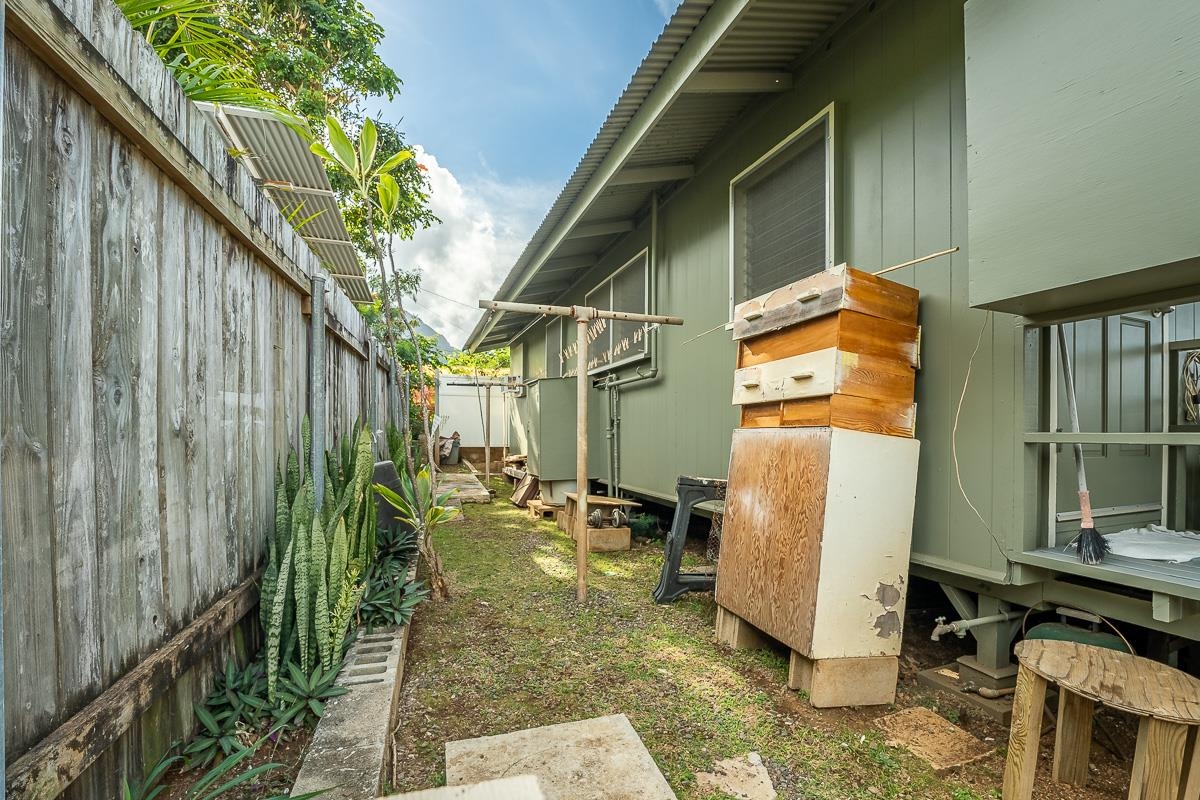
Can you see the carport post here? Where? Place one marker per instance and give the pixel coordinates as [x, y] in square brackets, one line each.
[583, 315]
[487, 434]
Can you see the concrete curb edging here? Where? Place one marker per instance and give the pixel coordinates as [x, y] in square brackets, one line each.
[351, 749]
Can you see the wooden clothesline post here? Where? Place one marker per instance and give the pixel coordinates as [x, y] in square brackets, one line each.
[583, 316]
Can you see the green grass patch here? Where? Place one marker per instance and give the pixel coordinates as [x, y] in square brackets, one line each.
[513, 649]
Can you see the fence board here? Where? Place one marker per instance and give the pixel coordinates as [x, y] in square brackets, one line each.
[70, 388]
[174, 519]
[30, 653]
[153, 373]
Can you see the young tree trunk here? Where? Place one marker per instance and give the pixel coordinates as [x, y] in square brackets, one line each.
[439, 588]
[392, 307]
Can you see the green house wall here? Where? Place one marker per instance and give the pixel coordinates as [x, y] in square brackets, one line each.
[896, 78]
[1082, 130]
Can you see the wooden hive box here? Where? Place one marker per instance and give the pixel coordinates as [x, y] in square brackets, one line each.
[839, 348]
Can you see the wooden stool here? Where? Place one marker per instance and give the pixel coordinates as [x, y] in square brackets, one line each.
[1166, 763]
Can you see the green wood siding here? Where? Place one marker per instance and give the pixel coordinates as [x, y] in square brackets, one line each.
[896, 77]
[1083, 152]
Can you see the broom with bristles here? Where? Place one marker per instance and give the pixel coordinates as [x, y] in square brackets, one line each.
[1090, 546]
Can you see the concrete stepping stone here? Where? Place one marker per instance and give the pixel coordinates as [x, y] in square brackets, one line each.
[467, 486]
[744, 777]
[521, 787]
[593, 759]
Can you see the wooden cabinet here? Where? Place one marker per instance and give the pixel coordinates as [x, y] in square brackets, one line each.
[822, 482]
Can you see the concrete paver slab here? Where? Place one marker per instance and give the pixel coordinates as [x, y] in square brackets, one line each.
[521, 787]
[592, 759]
[745, 778]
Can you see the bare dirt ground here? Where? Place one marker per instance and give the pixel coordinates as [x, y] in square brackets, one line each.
[512, 649]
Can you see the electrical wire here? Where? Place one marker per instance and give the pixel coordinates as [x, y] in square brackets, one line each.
[1190, 386]
[447, 299]
[954, 438]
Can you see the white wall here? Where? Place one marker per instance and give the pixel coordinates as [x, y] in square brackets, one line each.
[461, 406]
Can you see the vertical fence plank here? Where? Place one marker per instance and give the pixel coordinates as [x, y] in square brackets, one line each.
[145, 235]
[217, 420]
[197, 419]
[114, 330]
[174, 516]
[70, 388]
[30, 653]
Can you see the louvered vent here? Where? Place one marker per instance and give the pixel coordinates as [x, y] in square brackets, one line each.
[784, 234]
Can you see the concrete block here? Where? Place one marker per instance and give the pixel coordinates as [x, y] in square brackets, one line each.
[736, 633]
[352, 742]
[593, 759]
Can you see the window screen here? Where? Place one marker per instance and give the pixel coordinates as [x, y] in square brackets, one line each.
[783, 220]
[629, 294]
[554, 348]
[614, 342]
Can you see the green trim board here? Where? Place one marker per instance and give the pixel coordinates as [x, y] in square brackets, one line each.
[1178, 580]
[1160, 438]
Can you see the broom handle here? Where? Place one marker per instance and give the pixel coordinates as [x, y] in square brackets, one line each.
[1085, 499]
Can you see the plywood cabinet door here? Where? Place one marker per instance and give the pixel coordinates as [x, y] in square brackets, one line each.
[816, 538]
[771, 536]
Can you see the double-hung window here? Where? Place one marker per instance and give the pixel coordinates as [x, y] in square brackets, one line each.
[781, 212]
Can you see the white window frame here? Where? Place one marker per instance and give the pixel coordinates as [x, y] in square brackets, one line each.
[764, 166]
[642, 255]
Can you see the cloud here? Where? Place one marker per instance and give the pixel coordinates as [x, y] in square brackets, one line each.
[485, 225]
[667, 7]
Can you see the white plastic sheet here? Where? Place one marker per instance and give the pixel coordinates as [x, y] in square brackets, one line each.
[1155, 543]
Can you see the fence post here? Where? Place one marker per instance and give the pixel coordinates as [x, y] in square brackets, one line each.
[372, 420]
[317, 388]
[393, 395]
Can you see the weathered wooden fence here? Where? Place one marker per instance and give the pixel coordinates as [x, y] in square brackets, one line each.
[154, 367]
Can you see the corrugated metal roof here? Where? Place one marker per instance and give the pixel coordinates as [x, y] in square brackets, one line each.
[294, 178]
[766, 36]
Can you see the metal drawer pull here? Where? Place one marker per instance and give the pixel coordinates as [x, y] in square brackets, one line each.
[811, 294]
[752, 314]
[750, 383]
[803, 376]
